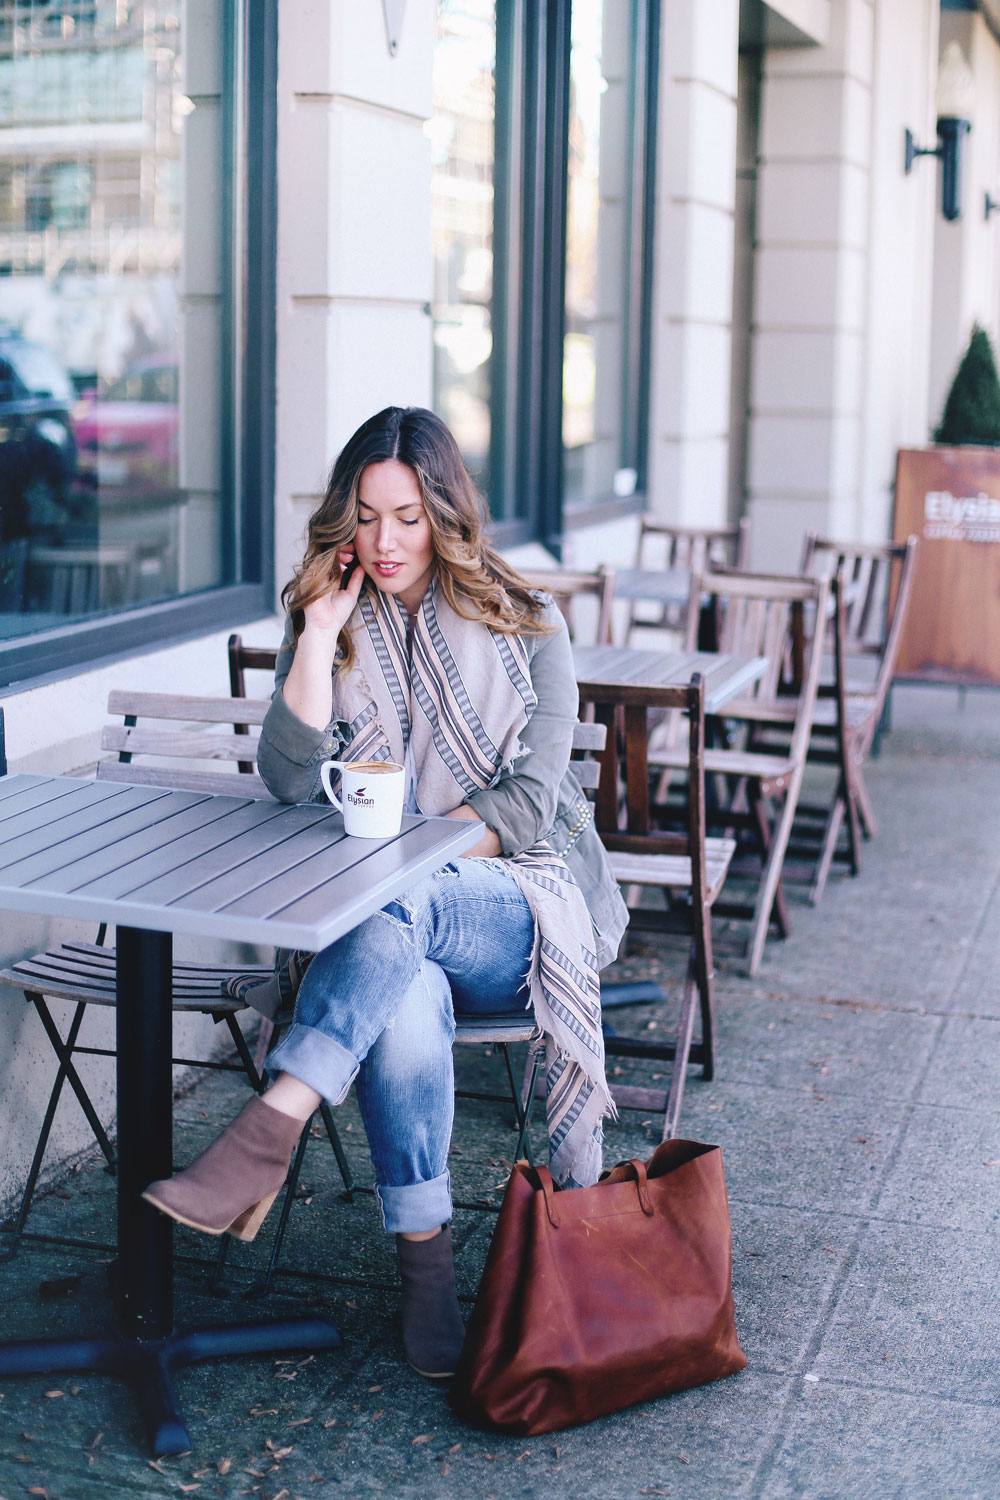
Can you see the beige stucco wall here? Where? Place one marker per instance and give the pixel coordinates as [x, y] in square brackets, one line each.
[693, 262]
[842, 289]
[354, 267]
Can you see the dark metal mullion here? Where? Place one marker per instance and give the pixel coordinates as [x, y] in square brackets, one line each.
[257, 415]
[505, 492]
[552, 288]
[529, 361]
[233, 89]
[646, 71]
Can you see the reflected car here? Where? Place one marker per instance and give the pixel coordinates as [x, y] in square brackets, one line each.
[127, 434]
[37, 447]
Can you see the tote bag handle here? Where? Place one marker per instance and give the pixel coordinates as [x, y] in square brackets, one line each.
[548, 1188]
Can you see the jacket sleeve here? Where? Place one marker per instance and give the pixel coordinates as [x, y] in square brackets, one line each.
[290, 751]
[521, 808]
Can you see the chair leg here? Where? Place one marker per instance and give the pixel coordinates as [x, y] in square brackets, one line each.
[685, 1033]
[333, 1135]
[865, 808]
[64, 1053]
[42, 1142]
[523, 1101]
[771, 876]
[257, 1080]
[828, 847]
[262, 1287]
[779, 909]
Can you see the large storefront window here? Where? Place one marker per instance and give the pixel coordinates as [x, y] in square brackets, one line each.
[541, 219]
[462, 216]
[598, 463]
[120, 304]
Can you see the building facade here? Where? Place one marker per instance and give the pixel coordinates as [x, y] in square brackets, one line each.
[640, 254]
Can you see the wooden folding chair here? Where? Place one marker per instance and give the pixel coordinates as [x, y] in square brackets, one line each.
[775, 618]
[567, 587]
[667, 557]
[688, 869]
[872, 589]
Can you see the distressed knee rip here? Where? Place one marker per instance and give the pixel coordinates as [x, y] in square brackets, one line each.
[402, 914]
[398, 915]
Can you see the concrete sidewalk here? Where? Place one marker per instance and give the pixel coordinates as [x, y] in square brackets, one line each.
[856, 1105]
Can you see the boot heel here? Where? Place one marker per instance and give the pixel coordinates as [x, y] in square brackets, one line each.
[246, 1225]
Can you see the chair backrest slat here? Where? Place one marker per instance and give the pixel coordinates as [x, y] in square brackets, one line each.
[180, 740]
[877, 584]
[625, 712]
[186, 708]
[566, 585]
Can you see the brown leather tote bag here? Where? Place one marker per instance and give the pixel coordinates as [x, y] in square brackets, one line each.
[595, 1298]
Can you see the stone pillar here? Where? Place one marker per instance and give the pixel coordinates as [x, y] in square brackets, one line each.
[810, 284]
[692, 305]
[843, 294]
[354, 267]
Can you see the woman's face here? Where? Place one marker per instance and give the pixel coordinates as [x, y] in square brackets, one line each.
[393, 541]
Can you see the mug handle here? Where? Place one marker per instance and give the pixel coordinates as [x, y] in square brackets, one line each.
[325, 775]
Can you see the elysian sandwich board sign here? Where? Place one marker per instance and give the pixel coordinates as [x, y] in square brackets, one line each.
[950, 499]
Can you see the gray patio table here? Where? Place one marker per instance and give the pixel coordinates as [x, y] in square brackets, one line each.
[158, 862]
[724, 675]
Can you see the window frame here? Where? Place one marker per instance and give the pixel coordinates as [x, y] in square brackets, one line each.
[250, 230]
[531, 191]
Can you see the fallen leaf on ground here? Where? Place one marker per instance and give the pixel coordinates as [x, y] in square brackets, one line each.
[424, 1437]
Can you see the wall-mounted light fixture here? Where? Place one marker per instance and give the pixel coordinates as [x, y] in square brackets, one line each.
[990, 206]
[953, 100]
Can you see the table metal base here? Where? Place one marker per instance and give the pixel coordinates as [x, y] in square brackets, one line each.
[150, 1363]
[148, 1349]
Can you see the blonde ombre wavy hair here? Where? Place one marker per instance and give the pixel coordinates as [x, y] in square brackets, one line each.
[473, 577]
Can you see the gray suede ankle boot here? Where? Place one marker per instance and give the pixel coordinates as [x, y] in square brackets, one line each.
[231, 1186]
[433, 1331]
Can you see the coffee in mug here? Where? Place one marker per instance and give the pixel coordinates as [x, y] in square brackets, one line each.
[371, 796]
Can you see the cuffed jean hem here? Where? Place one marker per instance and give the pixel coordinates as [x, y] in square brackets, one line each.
[314, 1059]
[417, 1207]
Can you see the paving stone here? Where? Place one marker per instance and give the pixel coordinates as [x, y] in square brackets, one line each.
[853, 1443]
[917, 1311]
[965, 1066]
[947, 1171]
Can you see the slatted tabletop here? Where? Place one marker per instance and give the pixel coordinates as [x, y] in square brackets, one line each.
[725, 676]
[662, 585]
[213, 866]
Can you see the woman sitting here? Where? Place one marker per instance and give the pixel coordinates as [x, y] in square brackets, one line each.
[409, 639]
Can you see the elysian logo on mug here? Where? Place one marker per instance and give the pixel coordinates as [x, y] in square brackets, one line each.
[372, 792]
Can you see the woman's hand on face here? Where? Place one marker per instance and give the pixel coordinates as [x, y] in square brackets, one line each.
[330, 612]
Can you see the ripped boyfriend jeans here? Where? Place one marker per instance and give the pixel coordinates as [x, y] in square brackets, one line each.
[379, 1005]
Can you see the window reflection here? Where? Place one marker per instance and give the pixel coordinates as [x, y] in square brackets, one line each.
[461, 133]
[597, 253]
[109, 497]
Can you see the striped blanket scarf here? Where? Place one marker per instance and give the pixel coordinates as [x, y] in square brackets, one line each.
[459, 695]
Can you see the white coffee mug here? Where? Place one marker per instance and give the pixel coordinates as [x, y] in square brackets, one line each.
[372, 792]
